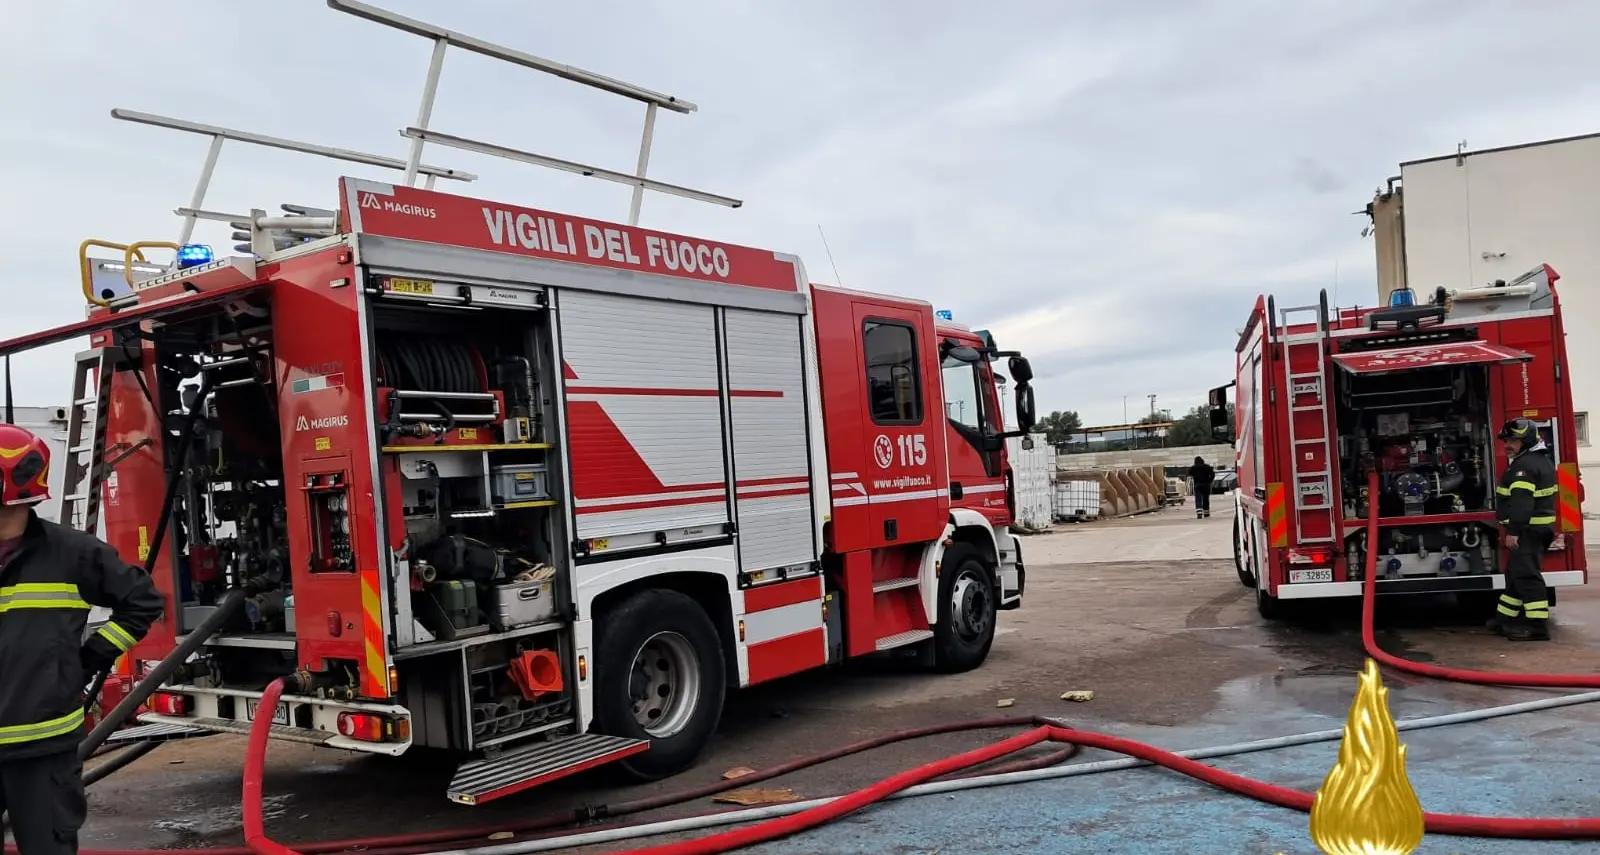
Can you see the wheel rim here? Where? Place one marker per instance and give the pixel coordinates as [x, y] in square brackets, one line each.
[664, 685]
[970, 601]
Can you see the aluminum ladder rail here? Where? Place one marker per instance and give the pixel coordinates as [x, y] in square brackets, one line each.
[81, 481]
[1311, 451]
[218, 134]
[420, 133]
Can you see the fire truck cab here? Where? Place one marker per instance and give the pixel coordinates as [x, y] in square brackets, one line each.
[1414, 391]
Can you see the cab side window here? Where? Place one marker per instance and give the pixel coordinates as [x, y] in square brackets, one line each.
[894, 384]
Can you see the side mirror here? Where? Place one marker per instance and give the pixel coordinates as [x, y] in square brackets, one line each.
[1026, 416]
[1021, 371]
[963, 353]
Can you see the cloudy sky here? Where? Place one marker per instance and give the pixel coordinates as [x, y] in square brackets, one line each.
[1105, 184]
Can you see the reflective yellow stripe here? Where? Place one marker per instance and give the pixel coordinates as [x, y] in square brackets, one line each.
[119, 637]
[1537, 615]
[1502, 491]
[1548, 491]
[41, 595]
[13, 734]
[1541, 520]
[1508, 611]
[1520, 485]
[1538, 604]
[1510, 600]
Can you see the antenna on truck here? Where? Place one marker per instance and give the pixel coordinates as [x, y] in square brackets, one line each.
[420, 133]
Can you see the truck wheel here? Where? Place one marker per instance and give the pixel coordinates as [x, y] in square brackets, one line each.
[1268, 606]
[967, 605]
[659, 676]
[1246, 578]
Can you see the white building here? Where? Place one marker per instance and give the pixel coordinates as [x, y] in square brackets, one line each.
[50, 423]
[1475, 217]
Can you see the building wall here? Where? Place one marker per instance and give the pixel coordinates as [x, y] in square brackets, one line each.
[51, 424]
[1219, 456]
[1497, 214]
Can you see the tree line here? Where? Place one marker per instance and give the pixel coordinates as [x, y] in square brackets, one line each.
[1063, 427]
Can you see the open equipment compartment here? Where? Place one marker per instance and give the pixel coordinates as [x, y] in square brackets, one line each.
[465, 419]
[1428, 430]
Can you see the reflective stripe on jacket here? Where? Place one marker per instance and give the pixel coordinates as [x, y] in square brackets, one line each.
[46, 590]
[1527, 492]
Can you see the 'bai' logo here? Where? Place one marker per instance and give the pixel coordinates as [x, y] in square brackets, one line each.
[304, 424]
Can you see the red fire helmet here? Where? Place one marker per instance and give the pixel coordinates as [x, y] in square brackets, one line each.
[24, 467]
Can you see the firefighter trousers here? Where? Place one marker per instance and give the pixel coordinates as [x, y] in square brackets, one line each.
[1526, 598]
[45, 802]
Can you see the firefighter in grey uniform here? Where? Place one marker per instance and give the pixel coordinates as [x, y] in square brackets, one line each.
[1526, 498]
[49, 577]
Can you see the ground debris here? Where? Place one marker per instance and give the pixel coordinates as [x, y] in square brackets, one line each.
[752, 798]
[1006, 702]
[737, 772]
[1078, 695]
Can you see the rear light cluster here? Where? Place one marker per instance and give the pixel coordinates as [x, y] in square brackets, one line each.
[1310, 556]
[371, 727]
[163, 703]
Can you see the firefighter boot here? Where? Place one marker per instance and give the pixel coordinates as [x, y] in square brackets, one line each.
[1529, 630]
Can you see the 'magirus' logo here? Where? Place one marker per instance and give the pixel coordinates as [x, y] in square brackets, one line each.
[323, 423]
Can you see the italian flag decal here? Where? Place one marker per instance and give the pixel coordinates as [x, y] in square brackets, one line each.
[312, 384]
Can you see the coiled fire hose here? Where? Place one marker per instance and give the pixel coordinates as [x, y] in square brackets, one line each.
[258, 843]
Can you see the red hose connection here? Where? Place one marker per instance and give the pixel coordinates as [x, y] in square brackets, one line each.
[1458, 675]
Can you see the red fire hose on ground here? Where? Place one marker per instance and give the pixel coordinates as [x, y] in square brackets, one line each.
[258, 843]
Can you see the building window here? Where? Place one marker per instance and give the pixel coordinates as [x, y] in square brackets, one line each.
[894, 389]
[1580, 427]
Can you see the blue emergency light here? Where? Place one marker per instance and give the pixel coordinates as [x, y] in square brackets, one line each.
[193, 255]
[945, 315]
[1401, 297]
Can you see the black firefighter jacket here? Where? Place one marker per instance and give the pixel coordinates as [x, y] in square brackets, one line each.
[46, 590]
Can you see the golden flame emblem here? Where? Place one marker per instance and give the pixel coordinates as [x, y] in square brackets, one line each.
[1366, 805]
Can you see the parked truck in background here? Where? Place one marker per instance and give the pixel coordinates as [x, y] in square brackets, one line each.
[1415, 391]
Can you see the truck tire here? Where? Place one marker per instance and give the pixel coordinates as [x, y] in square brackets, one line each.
[659, 676]
[967, 611]
[1246, 578]
[1268, 606]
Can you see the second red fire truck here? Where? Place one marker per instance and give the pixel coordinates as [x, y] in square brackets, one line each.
[1415, 390]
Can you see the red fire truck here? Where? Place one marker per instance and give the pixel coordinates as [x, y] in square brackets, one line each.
[526, 486]
[1415, 390]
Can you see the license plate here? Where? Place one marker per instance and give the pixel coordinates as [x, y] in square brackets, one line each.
[1323, 574]
[411, 286]
[279, 715]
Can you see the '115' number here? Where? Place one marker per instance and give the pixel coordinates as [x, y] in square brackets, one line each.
[913, 449]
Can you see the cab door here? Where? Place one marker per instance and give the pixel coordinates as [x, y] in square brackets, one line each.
[905, 454]
[974, 428]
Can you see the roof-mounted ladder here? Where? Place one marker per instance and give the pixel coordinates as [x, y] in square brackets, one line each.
[420, 133]
[1312, 449]
[257, 222]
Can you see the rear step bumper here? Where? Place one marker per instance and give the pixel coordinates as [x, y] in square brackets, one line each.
[313, 721]
[1421, 585]
[490, 778]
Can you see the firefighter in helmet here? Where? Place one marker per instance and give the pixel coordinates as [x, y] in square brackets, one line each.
[50, 576]
[1527, 513]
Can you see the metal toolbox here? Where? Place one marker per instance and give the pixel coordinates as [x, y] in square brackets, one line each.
[521, 482]
[522, 603]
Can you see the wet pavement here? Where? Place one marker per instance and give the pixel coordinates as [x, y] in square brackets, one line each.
[1172, 648]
